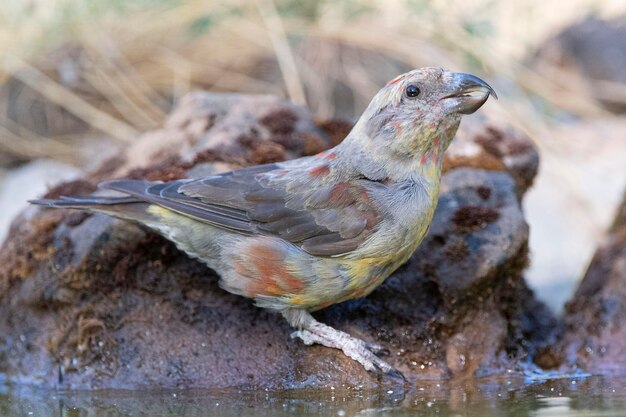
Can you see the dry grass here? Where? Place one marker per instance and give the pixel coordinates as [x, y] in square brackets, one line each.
[118, 65]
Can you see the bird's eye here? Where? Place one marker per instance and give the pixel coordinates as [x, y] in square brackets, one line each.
[412, 91]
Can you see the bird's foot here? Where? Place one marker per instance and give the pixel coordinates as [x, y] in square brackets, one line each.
[375, 348]
[357, 349]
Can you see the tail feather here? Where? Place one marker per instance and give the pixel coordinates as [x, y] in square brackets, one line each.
[132, 187]
[125, 207]
[83, 202]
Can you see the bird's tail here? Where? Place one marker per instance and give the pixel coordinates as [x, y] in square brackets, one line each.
[125, 207]
[87, 202]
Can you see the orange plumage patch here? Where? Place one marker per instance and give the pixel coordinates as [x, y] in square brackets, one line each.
[340, 195]
[397, 79]
[267, 272]
[330, 156]
[327, 155]
[319, 171]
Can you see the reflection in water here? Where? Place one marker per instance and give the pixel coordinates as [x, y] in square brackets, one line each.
[592, 396]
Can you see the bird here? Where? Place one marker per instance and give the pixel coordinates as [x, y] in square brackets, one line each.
[301, 235]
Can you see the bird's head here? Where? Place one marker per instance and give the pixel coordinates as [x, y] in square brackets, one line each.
[413, 118]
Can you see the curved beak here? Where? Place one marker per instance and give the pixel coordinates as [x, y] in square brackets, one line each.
[467, 93]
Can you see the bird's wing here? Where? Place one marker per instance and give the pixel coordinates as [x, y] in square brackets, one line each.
[299, 205]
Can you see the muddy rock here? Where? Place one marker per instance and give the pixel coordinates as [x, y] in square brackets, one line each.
[484, 142]
[593, 337]
[92, 302]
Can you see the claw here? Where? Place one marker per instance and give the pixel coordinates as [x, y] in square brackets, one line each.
[395, 376]
[376, 348]
[303, 335]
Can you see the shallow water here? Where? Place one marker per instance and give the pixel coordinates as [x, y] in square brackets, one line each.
[565, 397]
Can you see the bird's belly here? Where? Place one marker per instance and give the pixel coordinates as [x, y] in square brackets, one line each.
[273, 272]
[278, 274]
[371, 264]
[368, 273]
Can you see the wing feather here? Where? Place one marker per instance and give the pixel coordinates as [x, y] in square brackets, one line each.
[325, 218]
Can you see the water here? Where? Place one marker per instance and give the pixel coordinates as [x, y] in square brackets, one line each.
[566, 397]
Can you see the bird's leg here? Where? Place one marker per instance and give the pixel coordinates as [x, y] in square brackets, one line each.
[312, 331]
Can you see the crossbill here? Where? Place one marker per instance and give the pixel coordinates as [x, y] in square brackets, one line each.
[300, 235]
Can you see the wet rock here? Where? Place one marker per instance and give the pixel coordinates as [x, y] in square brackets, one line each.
[593, 337]
[90, 301]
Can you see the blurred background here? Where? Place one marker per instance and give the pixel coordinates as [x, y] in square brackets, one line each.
[80, 79]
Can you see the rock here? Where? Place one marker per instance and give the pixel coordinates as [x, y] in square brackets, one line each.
[87, 301]
[593, 337]
[595, 50]
[485, 143]
[231, 128]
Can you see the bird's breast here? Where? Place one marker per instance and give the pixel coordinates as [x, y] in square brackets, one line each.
[407, 209]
